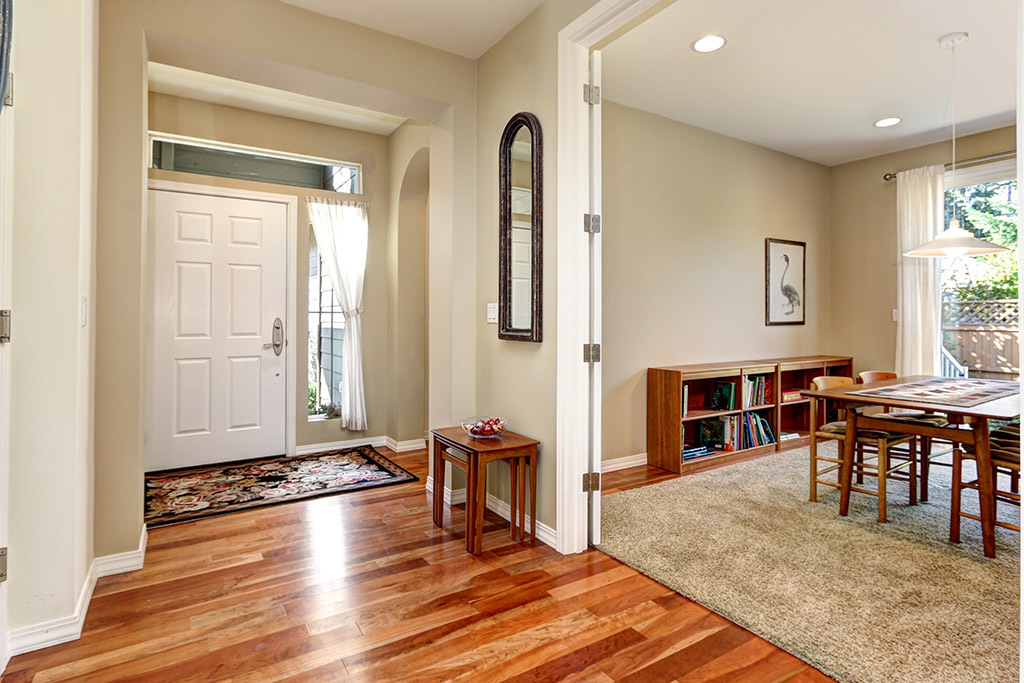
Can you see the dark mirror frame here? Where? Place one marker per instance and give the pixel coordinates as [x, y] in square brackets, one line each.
[505, 329]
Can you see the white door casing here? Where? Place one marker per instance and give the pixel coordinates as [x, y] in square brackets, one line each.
[220, 282]
[578, 386]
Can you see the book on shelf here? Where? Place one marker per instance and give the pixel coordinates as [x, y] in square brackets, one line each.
[696, 452]
[791, 396]
[766, 430]
[686, 397]
[712, 434]
[729, 442]
[788, 436]
[757, 390]
[724, 396]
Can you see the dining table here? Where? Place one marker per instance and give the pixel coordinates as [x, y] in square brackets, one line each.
[968, 424]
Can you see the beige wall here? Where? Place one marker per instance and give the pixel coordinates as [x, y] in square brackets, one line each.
[863, 258]
[686, 214]
[183, 116]
[51, 438]
[408, 226]
[517, 379]
[277, 45]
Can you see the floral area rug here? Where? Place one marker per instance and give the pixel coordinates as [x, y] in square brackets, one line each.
[188, 494]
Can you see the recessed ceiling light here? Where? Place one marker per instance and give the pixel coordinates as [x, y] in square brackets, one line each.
[708, 43]
[885, 123]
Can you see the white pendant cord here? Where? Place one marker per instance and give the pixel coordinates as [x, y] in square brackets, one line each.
[954, 125]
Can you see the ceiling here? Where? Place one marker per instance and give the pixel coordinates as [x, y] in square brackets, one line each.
[810, 77]
[465, 27]
[172, 80]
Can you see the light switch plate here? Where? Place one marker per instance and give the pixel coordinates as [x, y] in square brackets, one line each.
[492, 313]
[895, 314]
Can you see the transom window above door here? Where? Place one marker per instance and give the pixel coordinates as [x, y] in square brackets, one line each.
[228, 161]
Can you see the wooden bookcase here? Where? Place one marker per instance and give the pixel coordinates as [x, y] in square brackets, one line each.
[666, 421]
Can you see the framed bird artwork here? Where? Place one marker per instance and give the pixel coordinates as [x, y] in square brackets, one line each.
[785, 282]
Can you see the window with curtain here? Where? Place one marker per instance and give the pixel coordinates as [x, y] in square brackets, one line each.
[341, 231]
[326, 338]
[980, 306]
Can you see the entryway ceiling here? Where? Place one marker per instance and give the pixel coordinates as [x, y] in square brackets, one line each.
[465, 27]
[810, 77]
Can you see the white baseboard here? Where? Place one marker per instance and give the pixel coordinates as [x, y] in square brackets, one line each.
[66, 629]
[5, 653]
[55, 631]
[624, 462]
[335, 445]
[545, 534]
[120, 563]
[451, 497]
[403, 446]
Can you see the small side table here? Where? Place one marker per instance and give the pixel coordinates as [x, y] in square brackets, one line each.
[520, 452]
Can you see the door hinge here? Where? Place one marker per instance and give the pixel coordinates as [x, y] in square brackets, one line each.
[591, 481]
[592, 223]
[9, 95]
[3, 564]
[5, 327]
[591, 93]
[591, 353]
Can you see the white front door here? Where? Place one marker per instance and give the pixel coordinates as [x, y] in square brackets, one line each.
[220, 285]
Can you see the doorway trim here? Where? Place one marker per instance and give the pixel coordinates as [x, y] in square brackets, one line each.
[577, 425]
[291, 203]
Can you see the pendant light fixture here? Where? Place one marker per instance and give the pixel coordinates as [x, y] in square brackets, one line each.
[954, 240]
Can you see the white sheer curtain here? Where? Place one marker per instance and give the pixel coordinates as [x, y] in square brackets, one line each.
[341, 232]
[919, 208]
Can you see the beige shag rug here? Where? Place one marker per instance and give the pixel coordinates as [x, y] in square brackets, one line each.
[859, 600]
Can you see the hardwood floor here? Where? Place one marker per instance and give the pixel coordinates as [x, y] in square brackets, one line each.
[362, 587]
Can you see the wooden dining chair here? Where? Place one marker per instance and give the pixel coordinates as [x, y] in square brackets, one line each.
[925, 450]
[871, 376]
[872, 445]
[1004, 447]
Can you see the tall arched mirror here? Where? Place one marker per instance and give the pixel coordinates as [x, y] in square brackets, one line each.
[519, 220]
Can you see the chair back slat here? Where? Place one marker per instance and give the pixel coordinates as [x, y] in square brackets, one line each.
[869, 376]
[830, 382]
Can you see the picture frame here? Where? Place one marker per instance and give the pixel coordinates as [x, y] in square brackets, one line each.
[785, 282]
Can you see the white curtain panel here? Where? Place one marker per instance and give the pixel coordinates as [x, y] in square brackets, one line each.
[342, 231]
[919, 208]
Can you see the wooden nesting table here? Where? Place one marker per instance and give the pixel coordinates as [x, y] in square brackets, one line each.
[472, 456]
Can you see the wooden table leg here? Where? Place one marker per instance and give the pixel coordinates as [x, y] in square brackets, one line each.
[471, 466]
[986, 485]
[846, 469]
[479, 505]
[513, 480]
[438, 464]
[814, 450]
[533, 496]
[524, 463]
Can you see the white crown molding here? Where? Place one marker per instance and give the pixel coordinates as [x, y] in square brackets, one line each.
[624, 462]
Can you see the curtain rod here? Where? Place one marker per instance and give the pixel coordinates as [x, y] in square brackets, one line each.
[969, 162]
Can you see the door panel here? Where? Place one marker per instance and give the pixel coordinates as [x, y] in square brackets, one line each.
[219, 395]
